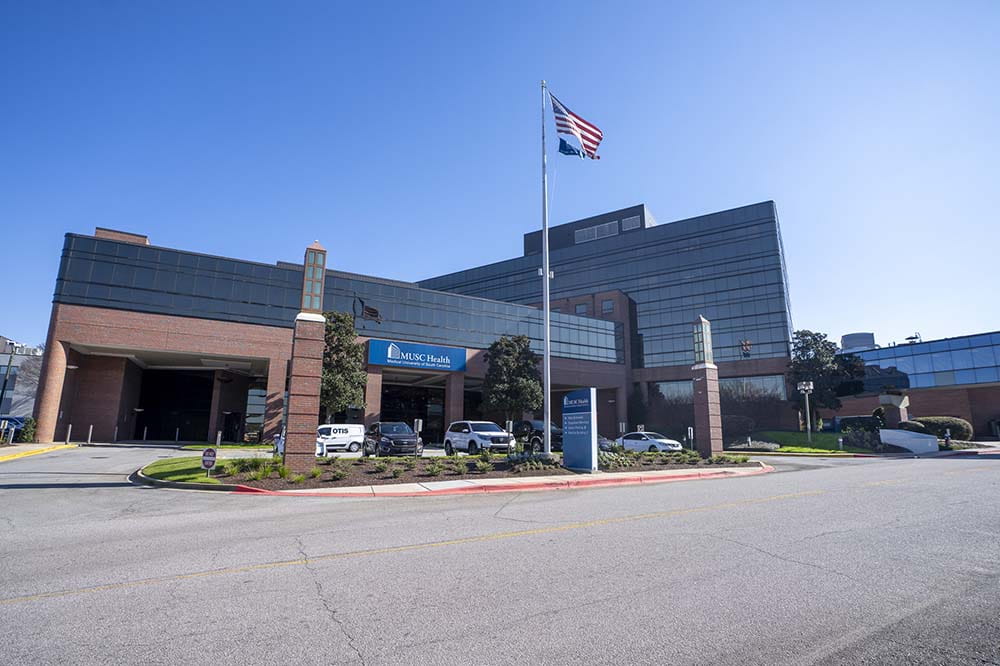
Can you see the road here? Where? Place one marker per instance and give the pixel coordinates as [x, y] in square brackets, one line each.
[824, 562]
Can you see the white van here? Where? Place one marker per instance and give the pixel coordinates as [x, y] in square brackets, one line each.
[332, 437]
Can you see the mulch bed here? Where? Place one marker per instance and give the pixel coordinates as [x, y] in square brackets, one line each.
[362, 472]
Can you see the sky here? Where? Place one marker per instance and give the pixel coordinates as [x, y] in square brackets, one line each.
[405, 137]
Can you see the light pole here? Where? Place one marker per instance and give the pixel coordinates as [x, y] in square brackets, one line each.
[805, 388]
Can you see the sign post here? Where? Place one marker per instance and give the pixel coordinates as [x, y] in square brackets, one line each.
[208, 461]
[580, 430]
[418, 426]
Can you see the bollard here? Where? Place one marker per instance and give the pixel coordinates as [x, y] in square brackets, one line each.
[90, 433]
[177, 435]
[69, 432]
[840, 443]
[144, 430]
[115, 438]
[218, 438]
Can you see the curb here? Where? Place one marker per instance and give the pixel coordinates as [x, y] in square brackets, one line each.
[568, 484]
[35, 452]
[832, 454]
[140, 479]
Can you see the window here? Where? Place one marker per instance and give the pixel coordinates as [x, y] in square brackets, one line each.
[584, 235]
[630, 223]
[581, 308]
[607, 306]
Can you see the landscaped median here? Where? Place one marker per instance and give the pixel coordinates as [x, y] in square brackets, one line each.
[367, 477]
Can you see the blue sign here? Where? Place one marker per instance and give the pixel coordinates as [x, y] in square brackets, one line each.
[580, 430]
[413, 355]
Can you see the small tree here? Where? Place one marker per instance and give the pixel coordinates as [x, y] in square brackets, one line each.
[512, 384]
[343, 382]
[815, 359]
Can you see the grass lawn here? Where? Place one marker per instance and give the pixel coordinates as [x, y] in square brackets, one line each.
[178, 469]
[202, 447]
[796, 442]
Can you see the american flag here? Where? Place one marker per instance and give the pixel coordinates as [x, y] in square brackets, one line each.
[568, 122]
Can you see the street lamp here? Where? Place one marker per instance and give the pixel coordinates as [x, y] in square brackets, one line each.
[805, 388]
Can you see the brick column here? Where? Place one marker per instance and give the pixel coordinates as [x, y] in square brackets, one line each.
[373, 395]
[454, 398]
[303, 391]
[50, 390]
[707, 411]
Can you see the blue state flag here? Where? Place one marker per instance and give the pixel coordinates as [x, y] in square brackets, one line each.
[567, 149]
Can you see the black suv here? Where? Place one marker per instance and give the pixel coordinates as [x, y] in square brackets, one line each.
[534, 434]
[391, 438]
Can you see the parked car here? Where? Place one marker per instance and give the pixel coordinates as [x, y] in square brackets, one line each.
[13, 422]
[332, 437]
[391, 438]
[605, 444]
[533, 432]
[648, 441]
[475, 436]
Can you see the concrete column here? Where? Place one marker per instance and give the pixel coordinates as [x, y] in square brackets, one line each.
[213, 411]
[50, 390]
[373, 395]
[454, 398]
[707, 410]
[621, 400]
[303, 391]
[274, 406]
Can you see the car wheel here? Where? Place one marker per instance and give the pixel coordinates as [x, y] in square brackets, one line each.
[536, 445]
[353, 448]
[449, 450]
[652, 449]
[473, 448]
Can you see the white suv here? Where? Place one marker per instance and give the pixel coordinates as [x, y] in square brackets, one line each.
[475, 436]
[332, 437]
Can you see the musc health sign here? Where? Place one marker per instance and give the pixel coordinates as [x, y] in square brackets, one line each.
[413, 355]
[580, 430]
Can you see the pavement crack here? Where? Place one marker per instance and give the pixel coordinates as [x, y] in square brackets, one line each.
[330, 611]
[784, 558]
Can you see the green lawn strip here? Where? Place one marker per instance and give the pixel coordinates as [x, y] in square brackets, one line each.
[178, 469]
[202, 447]
[797, 442]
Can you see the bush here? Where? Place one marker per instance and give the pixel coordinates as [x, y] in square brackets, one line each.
[315, 473]
[260, 474]
[26, 435]
[298, 478]
[434, 469]
[864, 423]
[734, 425]
[283, 472]
[397, 472]
[937, 425]
[912, 426]
[459, 467]
[381, 466]
[410, 463]
[483, 466]
[607, 460]
[338, 473]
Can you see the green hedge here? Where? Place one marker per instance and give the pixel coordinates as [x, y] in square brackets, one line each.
[865, 423]
[913, 426]
[936, 425]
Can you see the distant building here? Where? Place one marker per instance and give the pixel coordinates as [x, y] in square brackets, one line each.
[949, 377]
[22, 378]
[855, 342]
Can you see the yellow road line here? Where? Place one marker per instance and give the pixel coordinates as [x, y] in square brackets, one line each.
[406, 548]
[35, 452]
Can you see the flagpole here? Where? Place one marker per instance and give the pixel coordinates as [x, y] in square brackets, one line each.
[546, 367]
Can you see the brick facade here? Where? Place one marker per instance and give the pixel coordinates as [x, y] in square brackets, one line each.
[976, 404]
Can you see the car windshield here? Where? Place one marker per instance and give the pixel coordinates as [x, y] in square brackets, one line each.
[656, 435]
[396, 429]
[486, 427]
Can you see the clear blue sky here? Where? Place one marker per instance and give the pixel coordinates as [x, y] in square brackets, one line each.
[404, 136]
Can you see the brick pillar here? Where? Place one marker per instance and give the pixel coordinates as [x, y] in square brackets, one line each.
[454, 398]
[373, 395]
[303, 391]
[707, 411]
[50, 390]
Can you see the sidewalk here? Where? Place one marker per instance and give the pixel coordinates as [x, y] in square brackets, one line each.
[471, 486]
[15, 451]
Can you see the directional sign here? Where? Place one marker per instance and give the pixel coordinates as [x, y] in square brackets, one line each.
[208, 459]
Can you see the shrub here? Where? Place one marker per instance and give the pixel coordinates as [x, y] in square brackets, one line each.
[260, 474]
[338, 473]
[410, 463]
[483, 466]
[937, 425]
[865, 423]
[485, 455]
[434, 469]
[734, 425]
[459, 467]
[315, 473]
[283, 472]
[397, 472]
[256, 464]
[607, 460]
[298, 478]
[381, 466]
[26, 435]
[912, 426]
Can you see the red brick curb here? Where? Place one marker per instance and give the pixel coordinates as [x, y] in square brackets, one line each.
[568, 484]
